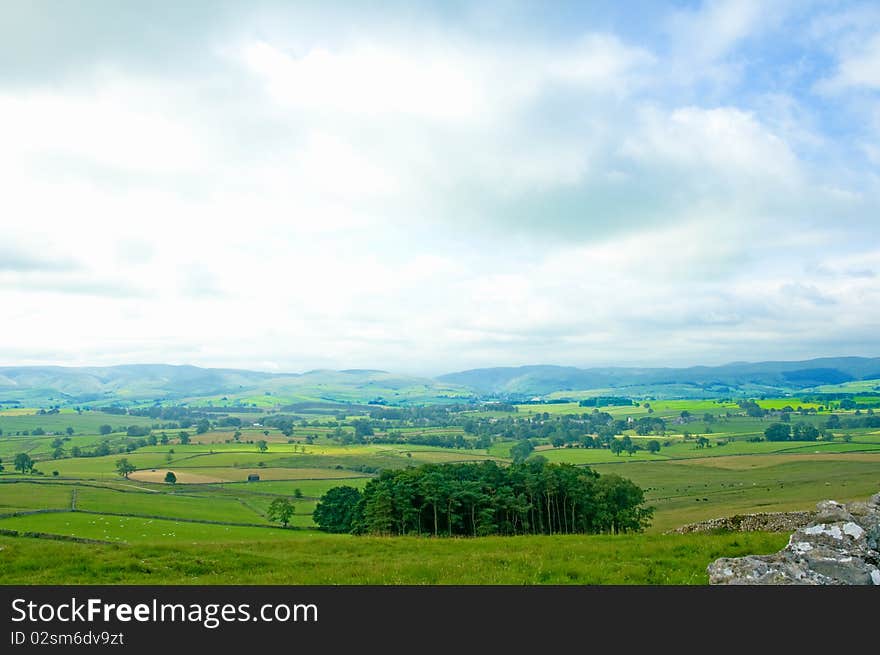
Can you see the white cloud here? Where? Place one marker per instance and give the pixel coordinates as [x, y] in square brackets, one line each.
[858, 67]
[723, 141]
[427, 201]
[114, 127]
[707, 33]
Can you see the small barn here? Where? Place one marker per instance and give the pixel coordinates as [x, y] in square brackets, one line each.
[253, 477]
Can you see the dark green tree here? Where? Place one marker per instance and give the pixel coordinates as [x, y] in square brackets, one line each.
[124, 467]
[281, 510]
[23, 463]
[337, 511]
[778, 432]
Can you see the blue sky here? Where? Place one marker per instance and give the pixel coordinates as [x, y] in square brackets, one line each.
[430, 187]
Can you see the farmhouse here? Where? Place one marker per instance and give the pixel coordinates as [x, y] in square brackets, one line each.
[253, 477]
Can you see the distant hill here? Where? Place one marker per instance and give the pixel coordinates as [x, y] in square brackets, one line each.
[147, 383]
[136, 382]
[543, 380]
[140, 383]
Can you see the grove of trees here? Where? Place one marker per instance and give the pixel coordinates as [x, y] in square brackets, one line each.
[532, 497]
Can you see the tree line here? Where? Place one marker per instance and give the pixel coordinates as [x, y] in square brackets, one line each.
[472, 499]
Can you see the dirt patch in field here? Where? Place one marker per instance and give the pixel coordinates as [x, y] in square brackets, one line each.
[183, 477]
[231, 474]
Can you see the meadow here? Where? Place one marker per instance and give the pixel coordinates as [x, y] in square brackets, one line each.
[213, 526]
[201, 556]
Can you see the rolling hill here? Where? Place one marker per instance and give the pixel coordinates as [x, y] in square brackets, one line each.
[144, 383]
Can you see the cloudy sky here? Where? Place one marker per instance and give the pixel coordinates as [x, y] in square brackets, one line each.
[430, 187]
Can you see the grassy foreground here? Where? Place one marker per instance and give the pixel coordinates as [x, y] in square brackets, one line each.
[310, 558]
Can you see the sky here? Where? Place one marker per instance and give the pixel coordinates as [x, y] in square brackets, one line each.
[430, 187]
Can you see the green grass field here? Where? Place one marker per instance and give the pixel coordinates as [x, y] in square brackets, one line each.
[687, 491]
[198, 556]
[172, 530]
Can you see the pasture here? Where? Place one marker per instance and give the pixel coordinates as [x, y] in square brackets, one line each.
[147, 555]
[707, 466]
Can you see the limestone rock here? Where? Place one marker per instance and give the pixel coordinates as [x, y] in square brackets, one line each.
[839, 546]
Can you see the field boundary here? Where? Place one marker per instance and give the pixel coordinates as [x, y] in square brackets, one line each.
[29, 512]
[53, 537]
[183, 520]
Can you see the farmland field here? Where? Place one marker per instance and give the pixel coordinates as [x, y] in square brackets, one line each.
[694, 459]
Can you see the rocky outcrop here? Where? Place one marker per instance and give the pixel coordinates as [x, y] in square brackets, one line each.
[764, 522]
[839, 546]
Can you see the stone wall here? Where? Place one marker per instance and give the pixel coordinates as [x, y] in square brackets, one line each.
[762, 522]
[839, 546]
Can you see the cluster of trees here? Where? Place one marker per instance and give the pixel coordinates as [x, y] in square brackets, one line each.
[177, 417]
[281, 422]
[586, 430]
[533, 497]
[869, 421]
[796, 432]
[751, 408]
[437, 440]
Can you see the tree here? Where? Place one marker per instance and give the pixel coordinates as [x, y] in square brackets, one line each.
[804, 432]
[621, 505]
[184, 437]
[521, 450]
[58, 453]
[297, 493]
[616, 446]
[281, 510]
[1, 464]
[23, 463]
[170, 478]
[124, 467]
[337, 511]
[362, 428]
[262, 446]
[653, 446]
[203, 426]
[778, 432]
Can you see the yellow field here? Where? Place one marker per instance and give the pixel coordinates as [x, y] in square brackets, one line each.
[210, 475]
[183, 477]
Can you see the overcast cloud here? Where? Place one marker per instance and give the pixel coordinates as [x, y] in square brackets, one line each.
[288, 186]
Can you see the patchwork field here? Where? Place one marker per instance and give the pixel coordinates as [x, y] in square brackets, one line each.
[214, 526]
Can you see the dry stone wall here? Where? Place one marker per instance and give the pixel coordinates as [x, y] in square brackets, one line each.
[839, 546]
